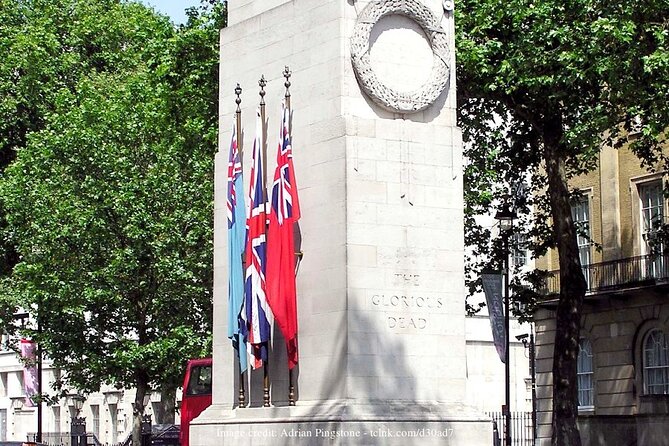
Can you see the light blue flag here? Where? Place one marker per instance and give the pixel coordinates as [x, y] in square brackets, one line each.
[236, 244]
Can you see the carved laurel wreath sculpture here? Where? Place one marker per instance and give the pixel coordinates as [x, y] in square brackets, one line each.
[386, 97]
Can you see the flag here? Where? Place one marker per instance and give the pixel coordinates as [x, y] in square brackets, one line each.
[283, 216]
[256, 316]
[236, 245]
[492, 287]
[27, 349]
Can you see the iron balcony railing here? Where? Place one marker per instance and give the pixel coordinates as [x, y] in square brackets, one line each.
[630, 272]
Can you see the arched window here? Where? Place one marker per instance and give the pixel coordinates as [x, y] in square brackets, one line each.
[585, 375]
[656, 363]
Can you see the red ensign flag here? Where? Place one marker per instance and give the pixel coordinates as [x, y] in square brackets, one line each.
[280, 273]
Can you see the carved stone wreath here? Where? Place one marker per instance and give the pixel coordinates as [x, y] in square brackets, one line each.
[386, 97]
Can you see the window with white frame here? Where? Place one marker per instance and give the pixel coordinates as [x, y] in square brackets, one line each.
[56, 419]
[113, 419]
[580, 213]
[652, 210]
[585, 375]
[655, 363]
[95, 409]
[651, 204]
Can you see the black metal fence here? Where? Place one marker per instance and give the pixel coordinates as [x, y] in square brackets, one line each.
[522, 431]
[52, 438]
[65, 439]
[631, 271]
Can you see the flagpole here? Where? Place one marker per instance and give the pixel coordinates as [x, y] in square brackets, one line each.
[238, 117]
[298, 250]
[263, 144]
[238, 124]
[286, 74]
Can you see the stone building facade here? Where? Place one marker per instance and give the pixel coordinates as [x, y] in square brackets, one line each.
[108, 413]
[623, 365]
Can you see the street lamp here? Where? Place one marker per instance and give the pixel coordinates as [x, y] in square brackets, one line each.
[505, 217]
[76, 402]
[78, 424]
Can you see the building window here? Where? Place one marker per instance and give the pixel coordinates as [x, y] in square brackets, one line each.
[652, 211]
[95, 409]
[652, 218]
[113, 419]
[655, 363]
[584, 374]
[56, 375]
[580, 213]
[518, 250]
[56, 419]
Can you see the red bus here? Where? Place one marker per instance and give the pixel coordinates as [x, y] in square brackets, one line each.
[196, 394]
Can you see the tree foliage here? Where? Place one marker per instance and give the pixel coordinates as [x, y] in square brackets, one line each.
[542, 86]
[106, 146]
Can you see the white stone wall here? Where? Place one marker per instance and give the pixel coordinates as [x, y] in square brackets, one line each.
[485, 371]
[265, 45]
[381, 198]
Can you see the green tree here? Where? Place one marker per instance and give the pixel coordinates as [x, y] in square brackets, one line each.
[46, 46]
[112, 121]
[191, 76]
[542, 85]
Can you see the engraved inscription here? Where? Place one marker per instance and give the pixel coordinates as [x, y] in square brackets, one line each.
[407, 321]
[406, 279]
[418, 323]
[398, 302]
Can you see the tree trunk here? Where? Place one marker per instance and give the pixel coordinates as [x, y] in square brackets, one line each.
[572, 292]
[138, 409]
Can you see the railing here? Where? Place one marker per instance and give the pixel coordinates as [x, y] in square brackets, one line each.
[617, 274]
[522, 432]
[52, 438]
[64, 439]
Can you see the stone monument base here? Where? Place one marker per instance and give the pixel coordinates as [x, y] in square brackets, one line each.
[344, 423]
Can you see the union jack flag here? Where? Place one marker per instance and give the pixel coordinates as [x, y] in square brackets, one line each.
[281, 249]
[256, 315]
[236, 246]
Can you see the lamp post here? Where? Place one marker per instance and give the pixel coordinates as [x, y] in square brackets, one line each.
[533, 373]
[38, 438]
[78, 424]
[532, 353]
[505, 217]
[146, 430]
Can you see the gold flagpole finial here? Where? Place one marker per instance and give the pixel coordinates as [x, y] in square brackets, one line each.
[238, 100]
[263, 83]
[286, 74]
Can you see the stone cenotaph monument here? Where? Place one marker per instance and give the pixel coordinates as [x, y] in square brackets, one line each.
[378, 162]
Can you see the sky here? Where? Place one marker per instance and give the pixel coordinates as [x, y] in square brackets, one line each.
[173, 8]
